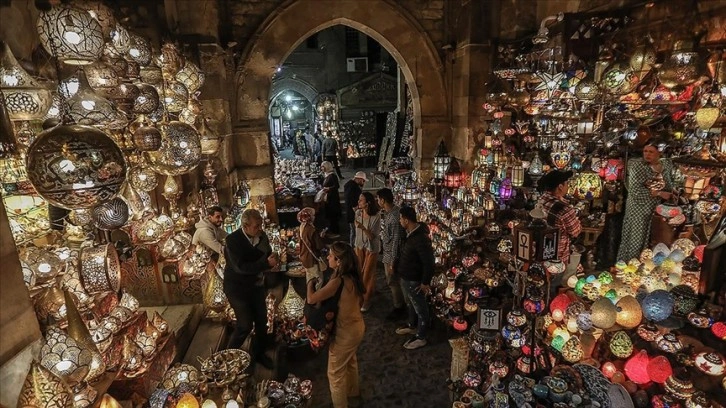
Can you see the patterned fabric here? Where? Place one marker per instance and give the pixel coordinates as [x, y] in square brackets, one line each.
[391, 234]
[640, 206]
[566, 221]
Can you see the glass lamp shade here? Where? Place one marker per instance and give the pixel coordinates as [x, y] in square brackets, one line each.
[180, 150]
[642, 59]
[658, 305]
[621, 345]
[636, 368]
[586, 90]
[87, 107]
[43, 389]
[710, 363]
[70, 34]
[441, 161]
[619, 79]
[100, 270]
[142, 178]
[111, 214]
[586, 185]
[517, 175]
[191, 77]
[629, 313]
[561, 159]
[64, 357]
[139, 50]
[25, 97]
[75, 166]
[572, 350]
[669, 343]
[147, 101]
[706, 117]
[659, 369]
[603, 313]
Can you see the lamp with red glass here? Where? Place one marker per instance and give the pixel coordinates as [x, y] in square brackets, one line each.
[453, 176]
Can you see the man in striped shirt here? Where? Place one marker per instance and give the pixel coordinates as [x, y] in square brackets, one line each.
[560, 213]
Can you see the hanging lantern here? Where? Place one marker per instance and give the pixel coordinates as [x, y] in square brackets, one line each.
[75, 166]
[139, 50]
[208, 138]
[180, 150]
[682, 68]
[453, 176]
[25, 98]
[586, 185]
[174, 96]
[191, 77]
[536, 241]
[505, 189]
[441, 162]
[43, 389]
[517, 175]
[70, 34]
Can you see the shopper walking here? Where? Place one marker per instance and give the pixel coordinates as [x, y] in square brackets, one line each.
[391, 235]
[367, 243]
[330, 152]
[349, 325]
[351, 193]
[249, 255]
[331, 184]
[415, 266]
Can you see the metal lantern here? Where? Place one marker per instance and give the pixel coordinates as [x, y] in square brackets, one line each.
[536, 241]
[110, 215]
[64, 357]
[180, 150]
[25, 98]
[71, 34]
[139, 50]
[209, 139]
[75, 166]
[43, 389]
[536, 167]
[191, 77]
[441, 162]
[453, 176]
[147, 100]
[100, 270]
[517, 175]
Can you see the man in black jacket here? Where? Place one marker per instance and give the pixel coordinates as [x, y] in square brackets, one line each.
[248, 255]
[415, 267]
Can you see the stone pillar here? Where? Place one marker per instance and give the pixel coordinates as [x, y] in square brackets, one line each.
[470, 65]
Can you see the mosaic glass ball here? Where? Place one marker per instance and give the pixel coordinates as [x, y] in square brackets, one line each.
[75, 166]
[621, 345]
[658, 305]
[604, 313]
[659, 369]
[629, 313]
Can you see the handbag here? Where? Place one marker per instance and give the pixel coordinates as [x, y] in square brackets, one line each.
[320, 319]
[321, 196]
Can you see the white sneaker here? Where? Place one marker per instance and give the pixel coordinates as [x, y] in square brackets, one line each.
[414, 344]
[405, 330]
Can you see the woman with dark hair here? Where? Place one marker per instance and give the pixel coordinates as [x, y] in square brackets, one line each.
[333, 210]
[349, 325]
[367, 243]
[649, 181]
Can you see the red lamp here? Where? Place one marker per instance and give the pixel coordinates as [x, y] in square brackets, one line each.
[636, 368]
[559, 303]
[719, 330]
[659, 369]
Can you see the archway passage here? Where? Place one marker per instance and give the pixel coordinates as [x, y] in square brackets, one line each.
[383, 21]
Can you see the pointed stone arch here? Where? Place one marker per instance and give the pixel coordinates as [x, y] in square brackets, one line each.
[294, 21]
[304, 88]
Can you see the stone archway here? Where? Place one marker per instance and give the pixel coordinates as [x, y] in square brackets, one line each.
[294, 21]
[302, 87]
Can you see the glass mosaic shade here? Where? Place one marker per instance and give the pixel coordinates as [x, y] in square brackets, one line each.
[71, 34]
[75, 166]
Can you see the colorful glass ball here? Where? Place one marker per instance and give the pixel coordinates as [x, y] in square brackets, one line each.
[604, 313]
[636, 368]
[658, 305]
[629, 313]
[659, 369]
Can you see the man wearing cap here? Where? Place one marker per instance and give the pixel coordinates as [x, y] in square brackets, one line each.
[560, 213]
[351, 193]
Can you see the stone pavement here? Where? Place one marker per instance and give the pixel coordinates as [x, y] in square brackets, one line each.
[390, 376]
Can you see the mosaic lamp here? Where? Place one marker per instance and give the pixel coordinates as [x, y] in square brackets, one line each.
[603, 313]
[659, 369]
[25, 97]
[572, 350]
[559, 305]
[629, 313]
[636, 368]
[621, 345]
[658, 305]
[70, 34]
[710, 363]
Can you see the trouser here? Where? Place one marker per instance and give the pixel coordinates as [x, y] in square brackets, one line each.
[352, 233]
[334, 160]
[394, 283]
[249, 308]
[343, 366]
[418, 308]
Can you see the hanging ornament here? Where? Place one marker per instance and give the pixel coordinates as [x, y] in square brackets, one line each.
[43, 389]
